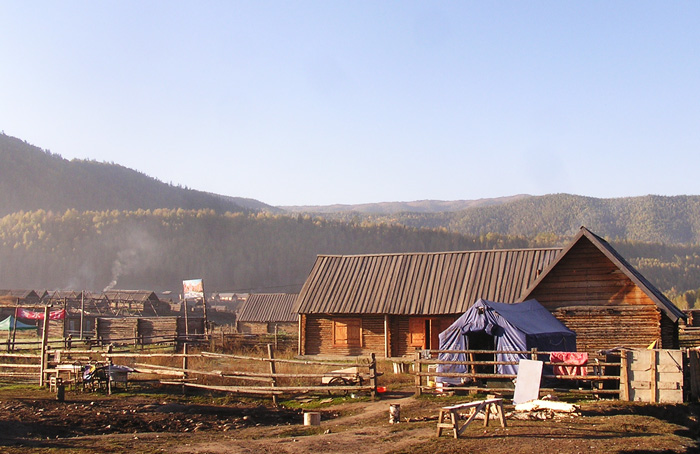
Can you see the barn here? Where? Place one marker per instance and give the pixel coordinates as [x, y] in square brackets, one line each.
[264, 313]
[395, 304]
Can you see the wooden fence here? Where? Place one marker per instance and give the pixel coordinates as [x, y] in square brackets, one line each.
[247, 375]
[20, 368]
[222, 341]
[602, 373]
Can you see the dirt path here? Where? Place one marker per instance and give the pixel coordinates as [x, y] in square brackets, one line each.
[150, 425]
[363, 432]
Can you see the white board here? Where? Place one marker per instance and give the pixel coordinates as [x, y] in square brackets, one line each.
[527, 386]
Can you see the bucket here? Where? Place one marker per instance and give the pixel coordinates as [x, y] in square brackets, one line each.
[394, 414]
[312, 418]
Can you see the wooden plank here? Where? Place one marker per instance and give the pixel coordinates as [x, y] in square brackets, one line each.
[624, 377]
[694, 373]
[650, 385]
[653, 375]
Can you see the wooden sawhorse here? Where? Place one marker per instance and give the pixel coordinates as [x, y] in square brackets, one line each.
[449, 416]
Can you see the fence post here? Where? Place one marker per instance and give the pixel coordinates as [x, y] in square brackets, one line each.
[624, 377]
[109, 375]
[373, 375]
[184, 367]
[653, 376]
[44, 341]
[417, 369]
[271, 354]
[533, 354]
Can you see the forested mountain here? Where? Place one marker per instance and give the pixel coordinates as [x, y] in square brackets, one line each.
[655, 219]
[419, 206]
[156, 249]
[89, 225]
[33, 179]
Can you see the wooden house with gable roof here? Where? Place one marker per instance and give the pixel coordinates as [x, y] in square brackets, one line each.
[394, 304]
[597, 294]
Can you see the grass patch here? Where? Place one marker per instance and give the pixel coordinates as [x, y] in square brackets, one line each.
[320, 403]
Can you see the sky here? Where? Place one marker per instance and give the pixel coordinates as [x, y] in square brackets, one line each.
[345, 102]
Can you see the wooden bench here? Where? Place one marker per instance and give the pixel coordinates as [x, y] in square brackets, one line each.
[449, 416]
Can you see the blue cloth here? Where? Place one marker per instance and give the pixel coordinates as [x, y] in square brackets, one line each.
[518, 327]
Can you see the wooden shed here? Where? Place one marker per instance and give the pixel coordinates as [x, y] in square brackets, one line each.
[394, 304]
[264, 313]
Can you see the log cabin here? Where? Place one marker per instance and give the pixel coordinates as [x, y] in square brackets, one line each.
[395, 304]
[604, 300]
[265, 313]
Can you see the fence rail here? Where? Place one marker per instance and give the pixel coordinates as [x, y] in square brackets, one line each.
[602, 373]
[256, 375]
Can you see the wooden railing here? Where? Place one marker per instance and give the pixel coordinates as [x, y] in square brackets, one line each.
[262, 376]
[599, 370]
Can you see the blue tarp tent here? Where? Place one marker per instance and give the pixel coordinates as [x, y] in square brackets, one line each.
[515, 327]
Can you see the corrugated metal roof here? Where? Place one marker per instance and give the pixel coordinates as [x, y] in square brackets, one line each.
[269, 307]
[419, 283]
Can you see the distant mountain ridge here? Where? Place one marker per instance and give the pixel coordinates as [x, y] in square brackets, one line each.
[418, 206]
[651, 218]
[33, 179]
[84, 224]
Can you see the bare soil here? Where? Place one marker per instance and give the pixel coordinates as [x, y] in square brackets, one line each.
[33, 421]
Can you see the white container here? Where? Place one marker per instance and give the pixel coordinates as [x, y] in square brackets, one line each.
[394, 414]
[312, 418]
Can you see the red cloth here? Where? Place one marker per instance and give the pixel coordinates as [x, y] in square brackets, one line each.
[569, 363]
[33, 315]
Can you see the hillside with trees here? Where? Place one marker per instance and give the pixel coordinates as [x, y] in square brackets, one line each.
[34, 179]
[653, 219]
[88, 225]
[157, 249]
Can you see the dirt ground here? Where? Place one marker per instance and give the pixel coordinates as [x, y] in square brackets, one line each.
[33, 421]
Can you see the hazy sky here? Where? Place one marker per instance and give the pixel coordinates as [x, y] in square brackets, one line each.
[321, 102]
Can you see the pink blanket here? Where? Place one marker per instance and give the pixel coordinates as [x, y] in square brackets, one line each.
[569, 363]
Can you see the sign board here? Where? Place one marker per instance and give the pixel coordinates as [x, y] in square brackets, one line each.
[527, 385]
[193, 289]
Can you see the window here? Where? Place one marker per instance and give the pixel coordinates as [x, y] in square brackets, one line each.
[347, 332]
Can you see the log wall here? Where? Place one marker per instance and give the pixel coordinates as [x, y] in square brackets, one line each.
[267, 328]
[154, 329]
[318, 336]
[604, 327]
[147, 329]
[401, 333]
[116, 329]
